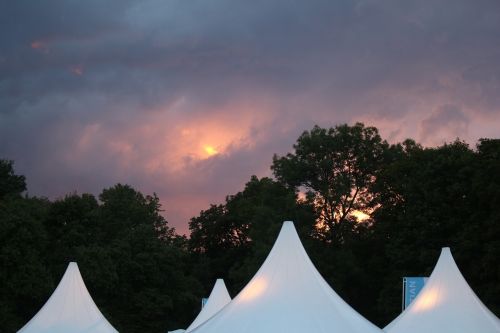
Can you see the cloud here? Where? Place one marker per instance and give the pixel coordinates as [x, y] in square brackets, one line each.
[446, 122]
[190, 98]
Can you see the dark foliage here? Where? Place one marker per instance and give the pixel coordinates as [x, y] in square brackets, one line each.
[135, 267]
[146, 278]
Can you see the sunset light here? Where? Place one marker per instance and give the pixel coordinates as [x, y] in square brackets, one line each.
[253, 289]
[426, 301]
[162, 144]
[360, 216]
[210, 150]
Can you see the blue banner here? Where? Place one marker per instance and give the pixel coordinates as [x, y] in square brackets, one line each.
[203, 302]
[411, 288]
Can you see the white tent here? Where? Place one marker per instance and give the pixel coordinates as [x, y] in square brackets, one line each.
[287, 295]
[446, 304]
[70, 309]
[218, 298]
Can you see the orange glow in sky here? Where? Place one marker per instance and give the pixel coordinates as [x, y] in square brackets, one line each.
[164, 153]
[197, 140]
[39, 45]
[210, 150]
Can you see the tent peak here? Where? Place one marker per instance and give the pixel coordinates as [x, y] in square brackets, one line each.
[70, 308]
[219, 298]
[287, 294]
[445, 304]
[219, 287]
[288, 227]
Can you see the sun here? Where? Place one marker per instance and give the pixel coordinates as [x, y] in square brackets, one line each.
[360, 216]
[210, 150]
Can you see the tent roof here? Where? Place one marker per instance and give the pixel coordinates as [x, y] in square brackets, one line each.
[70, 309]
[218, 298]
[445, 304]
[287, 295]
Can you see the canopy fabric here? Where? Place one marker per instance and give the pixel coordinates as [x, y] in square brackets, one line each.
[218, 298]
[70, 309]
[287, 295]
[446, 304]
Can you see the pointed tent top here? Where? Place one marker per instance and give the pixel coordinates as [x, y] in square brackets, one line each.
[218, 298]
[287, 294]
[73, 268]
[445, 304]
[70, 309]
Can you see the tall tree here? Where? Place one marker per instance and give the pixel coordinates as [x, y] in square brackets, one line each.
[336, 167]
[154, 290]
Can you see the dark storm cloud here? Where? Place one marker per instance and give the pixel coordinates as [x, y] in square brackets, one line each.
[95, 92]
[25, 21]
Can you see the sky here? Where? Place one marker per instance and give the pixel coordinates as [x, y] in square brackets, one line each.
[189, 98]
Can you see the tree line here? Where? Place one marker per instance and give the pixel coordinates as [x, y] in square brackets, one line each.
[368, 213]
